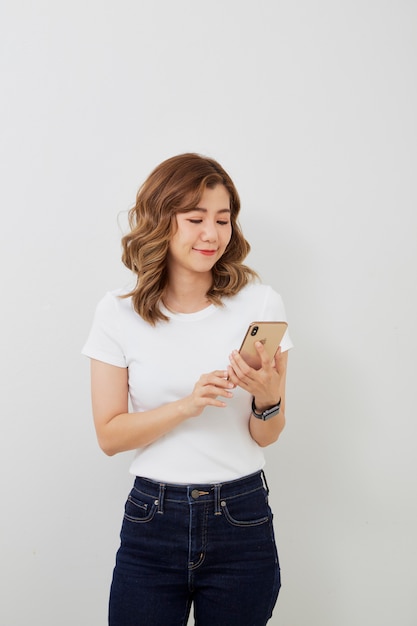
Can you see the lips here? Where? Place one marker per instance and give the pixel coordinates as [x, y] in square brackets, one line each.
[205, 252]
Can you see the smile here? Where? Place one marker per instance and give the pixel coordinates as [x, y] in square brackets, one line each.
[205, 252]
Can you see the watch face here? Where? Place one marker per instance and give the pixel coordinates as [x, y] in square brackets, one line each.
[266, 415]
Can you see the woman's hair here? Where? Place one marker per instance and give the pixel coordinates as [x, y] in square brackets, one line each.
[176, 186]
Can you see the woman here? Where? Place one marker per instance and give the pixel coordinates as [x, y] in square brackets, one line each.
[168, 382]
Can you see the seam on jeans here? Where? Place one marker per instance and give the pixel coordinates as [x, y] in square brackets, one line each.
[248, 524]
[265, 482]
[184, 500]
[187, 612]
[191, 565]
[161, 499]
[136, 519]
[242, 523]
[138, 504]
[194, 566]
[277, 582]
[217, 509]
[145, 493]
[237, 495]
[243, 493]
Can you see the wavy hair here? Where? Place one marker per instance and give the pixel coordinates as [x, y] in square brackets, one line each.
[175, 186]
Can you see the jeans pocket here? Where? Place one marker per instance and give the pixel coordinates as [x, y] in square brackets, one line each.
[139, 508]
[247, 510]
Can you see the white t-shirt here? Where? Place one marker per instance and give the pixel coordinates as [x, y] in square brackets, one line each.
[165, 361]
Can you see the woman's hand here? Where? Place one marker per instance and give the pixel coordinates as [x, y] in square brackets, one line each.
[265, 384]
[206, 391]
[118, 430]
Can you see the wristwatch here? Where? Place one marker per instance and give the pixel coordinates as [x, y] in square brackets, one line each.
[268, 413]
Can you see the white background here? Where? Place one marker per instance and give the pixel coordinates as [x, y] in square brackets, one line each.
[311, 107]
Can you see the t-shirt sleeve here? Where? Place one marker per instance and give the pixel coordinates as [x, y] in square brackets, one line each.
[275, 310]
[104, 342]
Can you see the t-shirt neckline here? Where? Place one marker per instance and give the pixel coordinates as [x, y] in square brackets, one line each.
[188, 317]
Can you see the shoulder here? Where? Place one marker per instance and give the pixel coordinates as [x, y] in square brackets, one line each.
[257, 300]
[115, 301]
[114, 310]
[256, 291]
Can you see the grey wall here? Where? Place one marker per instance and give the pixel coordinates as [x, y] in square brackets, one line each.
[311, 107]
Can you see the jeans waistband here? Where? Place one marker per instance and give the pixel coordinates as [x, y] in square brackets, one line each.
[197, 492]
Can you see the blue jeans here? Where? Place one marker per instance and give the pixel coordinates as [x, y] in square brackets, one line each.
[211, 546]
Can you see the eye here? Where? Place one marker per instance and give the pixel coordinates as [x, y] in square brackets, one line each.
[223, 223]
[195, 221]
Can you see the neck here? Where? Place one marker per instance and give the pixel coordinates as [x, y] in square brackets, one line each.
[187, 296]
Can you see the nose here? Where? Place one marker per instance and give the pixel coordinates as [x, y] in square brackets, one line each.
[209, 232]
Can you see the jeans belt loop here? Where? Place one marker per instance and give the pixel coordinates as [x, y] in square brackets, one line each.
[161, 498]
[265, 482]
[217, 508]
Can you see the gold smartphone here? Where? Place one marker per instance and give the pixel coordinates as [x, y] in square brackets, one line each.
[268, 333]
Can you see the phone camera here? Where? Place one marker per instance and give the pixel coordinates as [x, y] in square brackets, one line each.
[254, 330]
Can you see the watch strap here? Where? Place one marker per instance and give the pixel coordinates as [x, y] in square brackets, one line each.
[268, 413]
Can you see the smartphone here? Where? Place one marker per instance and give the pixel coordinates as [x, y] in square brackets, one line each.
[268, 333]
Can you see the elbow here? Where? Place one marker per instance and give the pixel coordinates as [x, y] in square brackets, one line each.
[268, 433]
[106, 446]
[268, 441]
[108, 451]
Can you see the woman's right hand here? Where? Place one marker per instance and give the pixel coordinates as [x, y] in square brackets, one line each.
[118, 430]
[206, 392]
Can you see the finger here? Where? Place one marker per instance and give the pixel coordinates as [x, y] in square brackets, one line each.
[216, 374]
[210, 401]
[241, 377]
[239, 365]
[220, 374]
[221, 382]
[236, 373]
[279, 360]
[212, 389]
[218, 378]
[232, 376]
[266, 362]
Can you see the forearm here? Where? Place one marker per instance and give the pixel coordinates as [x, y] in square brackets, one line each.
[267, 386]
[268, 431]
[118, 430]
[128, 431]
[265, 433]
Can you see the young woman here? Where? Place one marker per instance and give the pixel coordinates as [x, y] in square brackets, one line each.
[168, 382]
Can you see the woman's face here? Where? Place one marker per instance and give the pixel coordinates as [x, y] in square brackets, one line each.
[202, 234]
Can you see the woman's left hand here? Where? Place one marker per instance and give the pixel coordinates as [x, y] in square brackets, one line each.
[264, 384]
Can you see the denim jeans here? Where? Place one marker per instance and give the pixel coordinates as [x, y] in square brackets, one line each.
[211, 546]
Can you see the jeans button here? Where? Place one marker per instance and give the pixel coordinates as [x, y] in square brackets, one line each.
[195, 494]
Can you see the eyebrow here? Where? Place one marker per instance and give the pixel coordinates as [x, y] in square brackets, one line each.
[202, 210]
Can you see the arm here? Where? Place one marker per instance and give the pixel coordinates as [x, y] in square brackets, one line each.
[267, 386]
[118, 430]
